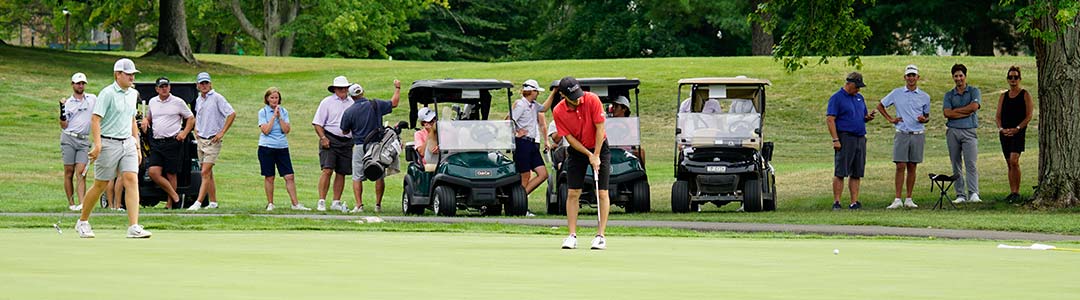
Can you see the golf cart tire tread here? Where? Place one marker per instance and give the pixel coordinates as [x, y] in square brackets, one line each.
[680, 196]
[446, 202]
[640, 199]
[752, 198]
[519, 201]
[406, 206]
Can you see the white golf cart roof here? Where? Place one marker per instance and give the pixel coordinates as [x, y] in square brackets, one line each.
[724, 80]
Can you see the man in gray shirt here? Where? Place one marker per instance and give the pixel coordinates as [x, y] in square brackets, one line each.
[213, 117]
[75, 114]
[529, 127]
[961, 105]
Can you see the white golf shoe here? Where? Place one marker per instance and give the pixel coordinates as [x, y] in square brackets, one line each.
[83, 228]
[974, 198]
[598, 243]
[959, 199]
[910, 204]
[300, 206]
[321, 206]
[137, 232]
[270, 207]
[569, 242]
[195, 206]
[896, 203]
[357, 210]
[336, 205]
[212, 205]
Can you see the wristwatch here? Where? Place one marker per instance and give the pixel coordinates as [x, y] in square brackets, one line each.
[835, 140]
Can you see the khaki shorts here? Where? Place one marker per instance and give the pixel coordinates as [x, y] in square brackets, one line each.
[116, 156]
[208, 151]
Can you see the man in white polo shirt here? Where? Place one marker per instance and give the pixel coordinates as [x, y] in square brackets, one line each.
[115, 137]
[75, 114]
[335, 146]
[165, 116]
[213, 118]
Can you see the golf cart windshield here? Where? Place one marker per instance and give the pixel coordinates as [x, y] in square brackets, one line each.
[473, 135]
[623, 131]
[722, 129]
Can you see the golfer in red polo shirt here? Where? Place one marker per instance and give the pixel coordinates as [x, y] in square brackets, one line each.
[579, 119]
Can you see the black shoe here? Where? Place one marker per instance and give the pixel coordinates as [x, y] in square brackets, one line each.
[855, 205]
[1013, 198]
[836, 206]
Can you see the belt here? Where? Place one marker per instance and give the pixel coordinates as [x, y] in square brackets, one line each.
[112, 138]
[911, 132]
[166, 138]
[75, 135]
[528, 139]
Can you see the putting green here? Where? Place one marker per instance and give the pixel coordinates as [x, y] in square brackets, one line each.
[39, 264]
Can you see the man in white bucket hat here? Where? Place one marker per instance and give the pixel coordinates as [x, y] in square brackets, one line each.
[335, 146]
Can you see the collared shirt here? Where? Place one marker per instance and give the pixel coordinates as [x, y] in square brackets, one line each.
[954, 99]
[552, 129]
[276, 138]
[116, 107]
[167, 116]
[910, 105]
[363, 117]
[580, 122]
[328, 115]
[850, 112]
[524, 115]
[711, 106]
[78, 113]
[211, 112]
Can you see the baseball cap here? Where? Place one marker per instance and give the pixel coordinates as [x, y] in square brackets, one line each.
[621, 100]
[161, 81]
[531, 85]
[911, 69]
[78, 77]
[425, 114]
[569, 86]
[125, 65]
[202, 77]
[355, 89]
[856, 78]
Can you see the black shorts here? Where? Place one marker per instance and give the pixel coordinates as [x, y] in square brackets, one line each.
[165, 153]
[1013, 144]
[577, 163]
[271, 157]
[527, 155]
[339, 156]
[850, 161]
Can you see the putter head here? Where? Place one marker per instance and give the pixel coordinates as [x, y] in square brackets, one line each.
[57, 227]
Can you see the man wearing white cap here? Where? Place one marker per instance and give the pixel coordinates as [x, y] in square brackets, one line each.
[213, 117]
[75, 114]
[115, 136]
[528, 117]
[360, 119]
[912, 111]
[335, 146]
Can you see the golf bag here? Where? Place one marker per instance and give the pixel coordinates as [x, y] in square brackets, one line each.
[381, 153]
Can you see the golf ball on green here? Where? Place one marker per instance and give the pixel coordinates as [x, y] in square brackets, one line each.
[836, 251]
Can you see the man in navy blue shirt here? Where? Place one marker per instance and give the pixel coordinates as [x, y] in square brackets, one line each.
[847, 117]
[363, 117]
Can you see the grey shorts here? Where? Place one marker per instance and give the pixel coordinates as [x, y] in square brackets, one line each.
[908, 147]
[74, 149]
[358, 162]
[850, 161]
[116, 156]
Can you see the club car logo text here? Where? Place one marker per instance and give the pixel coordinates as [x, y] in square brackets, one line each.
[483, 173]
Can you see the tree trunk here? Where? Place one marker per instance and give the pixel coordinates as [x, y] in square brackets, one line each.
[129, 37]
[275, 14]
[1059, 114]
[172, 32]
[762, 42]
[982, 39]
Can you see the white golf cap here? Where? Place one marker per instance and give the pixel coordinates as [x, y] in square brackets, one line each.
[202, 77]
[622, 101]
[425, 114]
[911, 69]
[125, 65]
[339, 81]
[355, 89]
[531, 85]
[78, 77]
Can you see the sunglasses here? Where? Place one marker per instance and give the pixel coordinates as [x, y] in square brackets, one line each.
[1011, 77]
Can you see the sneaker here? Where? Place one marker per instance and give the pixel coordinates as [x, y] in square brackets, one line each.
[975, 198]
[212, 205]
[336, 205]
[378, 208]
[120, 209]
[569, 242]
[959, 199]
[321, 206]
[896, 203]
[83, 228]
[195, 206]
[72, 208]
[1013, 198]
[910, 204]
[836, 206]
[270, 207]
[598, 243]
[137, 232]
[854, 206]
[529, 214]
[299, 206]
[79, 207]
[357, 210]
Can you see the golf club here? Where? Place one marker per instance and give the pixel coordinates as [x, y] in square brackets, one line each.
[1037, 246]
[596, 191]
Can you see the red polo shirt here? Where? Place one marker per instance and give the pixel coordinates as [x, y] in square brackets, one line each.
[580, 122]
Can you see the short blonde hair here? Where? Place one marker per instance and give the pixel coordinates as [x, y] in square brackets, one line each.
[271, 90]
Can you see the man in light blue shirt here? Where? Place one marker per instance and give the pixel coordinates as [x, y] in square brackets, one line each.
[912, 111]
[961, 106]
[213, 117]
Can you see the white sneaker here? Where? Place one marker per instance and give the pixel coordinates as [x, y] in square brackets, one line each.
[378, 208]
[195, 206]
[78, 207]
[72, 208]
[336, 205]
[137, 232]
[83, 228]
[896, 203]
[299, 206]
[910, 204]
[598, 243]
[120, 209]
[321, 206]
[357, 210]
[270, 207]
[959, 199]
[975, 198]
[569, 242]
[212, 205]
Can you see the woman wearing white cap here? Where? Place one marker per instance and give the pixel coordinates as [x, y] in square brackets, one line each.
[428, 149]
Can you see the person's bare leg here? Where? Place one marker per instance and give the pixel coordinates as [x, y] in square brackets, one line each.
[1014, 172]
[118, 190]
[80, 180]
[380, 187]
[911, 178]
[268, 186]
[131, 196]
[165, 184]
[358, 192]
[95, 191]
[899, 180]
[572, 197]
[109, 194]
[213, 187]
[339, 186]
[525, 180]
[172, 183]
[605, 207]
[853, 185]
[290, 187]
[324, 182]
[207, 180]
[69, 185]
[837, 188]
[541, 176]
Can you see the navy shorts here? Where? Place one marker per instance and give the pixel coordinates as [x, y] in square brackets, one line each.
[527, 155]
[577, 163]
[271, 157]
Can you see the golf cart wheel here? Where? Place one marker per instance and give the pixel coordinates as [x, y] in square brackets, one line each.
[519, 201]
[551, 198]
[445, 203]
[406, 203]
[770, 203]
[640, 199]
[680, 196]
[752, 200]
[560, 199]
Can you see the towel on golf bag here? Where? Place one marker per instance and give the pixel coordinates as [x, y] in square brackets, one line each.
[381, 149]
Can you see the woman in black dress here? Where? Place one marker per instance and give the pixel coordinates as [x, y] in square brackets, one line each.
[1013, 115]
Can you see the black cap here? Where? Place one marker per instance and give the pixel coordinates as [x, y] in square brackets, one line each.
[856, 78]
[569, 86]
[161, 81]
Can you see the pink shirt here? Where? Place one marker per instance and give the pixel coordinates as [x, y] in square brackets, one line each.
[419, 141]
[328, 115]
[167, 116]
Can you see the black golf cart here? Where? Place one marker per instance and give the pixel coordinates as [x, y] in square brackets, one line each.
[473, 171]
[721, 156]
[628, 185]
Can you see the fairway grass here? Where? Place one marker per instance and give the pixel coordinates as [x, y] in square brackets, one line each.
[39, 264]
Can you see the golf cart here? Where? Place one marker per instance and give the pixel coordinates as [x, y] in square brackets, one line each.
[189, 177]
[473, 171]
[721, 156]
[628, 184]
